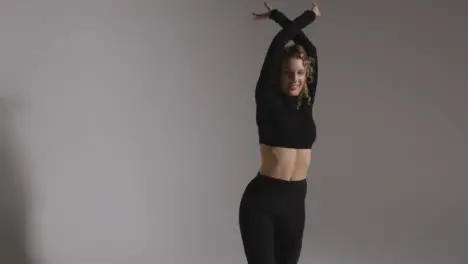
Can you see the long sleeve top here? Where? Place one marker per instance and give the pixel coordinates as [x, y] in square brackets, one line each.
[279, 121]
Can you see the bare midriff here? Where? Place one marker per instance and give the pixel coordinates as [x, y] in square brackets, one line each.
[285, 163]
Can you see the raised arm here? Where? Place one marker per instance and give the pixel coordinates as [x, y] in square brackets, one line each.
[300, 38]
[303, 40]
[264, 92]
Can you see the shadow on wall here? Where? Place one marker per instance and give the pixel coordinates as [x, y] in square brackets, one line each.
[13, 196]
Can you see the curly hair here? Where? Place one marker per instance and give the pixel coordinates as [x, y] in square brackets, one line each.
[298, 52]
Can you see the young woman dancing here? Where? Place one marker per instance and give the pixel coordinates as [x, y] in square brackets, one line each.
[272, 208]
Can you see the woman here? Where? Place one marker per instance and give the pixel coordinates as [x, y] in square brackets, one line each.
[272, 209]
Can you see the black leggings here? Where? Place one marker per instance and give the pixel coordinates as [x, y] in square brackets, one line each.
[271, 219]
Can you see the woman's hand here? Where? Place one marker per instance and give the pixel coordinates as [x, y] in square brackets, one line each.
[260, 16]
[264, 15]
[316, 9]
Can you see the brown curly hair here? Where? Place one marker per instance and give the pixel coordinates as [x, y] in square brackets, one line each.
[298, 52]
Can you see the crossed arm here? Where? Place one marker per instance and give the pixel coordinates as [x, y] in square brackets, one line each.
[291, 30]
[300, 38]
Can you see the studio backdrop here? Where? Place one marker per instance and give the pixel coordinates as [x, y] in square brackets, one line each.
[128, 130]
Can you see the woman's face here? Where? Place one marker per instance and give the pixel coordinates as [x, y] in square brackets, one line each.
[293, 76]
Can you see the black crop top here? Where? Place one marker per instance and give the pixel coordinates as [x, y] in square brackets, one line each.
[280, 123]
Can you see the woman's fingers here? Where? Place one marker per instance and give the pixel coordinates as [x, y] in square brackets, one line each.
[261, 15]
[316, 9]
[264, 15]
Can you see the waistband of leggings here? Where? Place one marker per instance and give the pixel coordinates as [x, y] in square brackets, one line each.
[274, 181]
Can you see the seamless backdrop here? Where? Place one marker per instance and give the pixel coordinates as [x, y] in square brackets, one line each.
[128, 130]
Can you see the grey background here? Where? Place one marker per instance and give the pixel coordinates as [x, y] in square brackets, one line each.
[128, 131]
